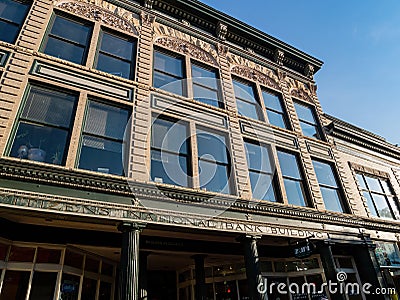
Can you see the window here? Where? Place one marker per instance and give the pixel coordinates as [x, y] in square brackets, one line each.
[44, 126]
[260, 171]
[12, 16]
[307, 120]
[116, 55]
[292, 178]
[102, 139]
[328, 186]
[214, 162]
[246, 101]
[380, 198]
[275, 112]
[68, 39]
[170, 152]
[169, 73]
[205, 85]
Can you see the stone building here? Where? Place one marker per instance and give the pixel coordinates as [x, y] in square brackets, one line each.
[161, 149]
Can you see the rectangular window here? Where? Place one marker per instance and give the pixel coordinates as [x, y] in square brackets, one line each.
[169, 72]
[102, 139]
[292, 178]
[328, 186]
[12, 16]
[275, 112]
[381, 200]
[170, 159]
[246, 101]
[44, 126]
[116, 55]
[261, 172]
[214, 162]
[68, 39]
[307, 120]
[206, 85]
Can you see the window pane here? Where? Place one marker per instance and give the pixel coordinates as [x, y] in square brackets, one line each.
[105, 291]
[382, 206]
[65, 50]
[15, 285]
[361, 181]
[262, 186]
[8, 32]
[106, 120]
[214, 177]
[304, 113]
[204, 77]
[211, 146]
[258, 157]
[21, 254]
[170, 136]
[71, 30]
[247, 109]
[43, 286]
[73, 259]
[49, 107]
[3, 251]
[107, 269]
[69, 287]
[276, 119]
[169, 168]
[373, 184]
[113, 66]
[309, 130]
[117, 46]
[324, 174]
[394, 206]
[168, 64]
[40, 143]
[50, 256]
[101, 155]
[168, 83]
[295, 192]
[244, 91]
[289, 166]
[205, 95]
[272, 101]
[370, 204]
[92, 265]
[13, 11]
[331, 199]
[386, 187]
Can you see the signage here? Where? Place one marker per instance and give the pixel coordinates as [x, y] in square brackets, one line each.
[303, 249]
[387, 255]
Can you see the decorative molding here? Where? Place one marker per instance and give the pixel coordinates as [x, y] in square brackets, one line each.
[368, 170]
[148, 4]
[221, 31]
[147, 20]
[281, 74]
[299, 90]
[263, 78]
[309, 71]
[186, 48]
[118, 18]
[222, 49]
[279, 56]
[3, 58]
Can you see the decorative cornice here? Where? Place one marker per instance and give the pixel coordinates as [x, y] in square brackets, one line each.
[279, 56]
[186, 48]
[309, 71]
[148, 3]
[299, 90]
[255, 75]
[97, 13]
[221, 31]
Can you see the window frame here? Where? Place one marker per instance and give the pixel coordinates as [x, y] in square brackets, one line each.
[74, 19]
[122, 36]
[19, 26]
[371, 192]
[283, 113]
[316, 125]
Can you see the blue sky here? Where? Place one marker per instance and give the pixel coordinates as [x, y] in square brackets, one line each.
[359, 43]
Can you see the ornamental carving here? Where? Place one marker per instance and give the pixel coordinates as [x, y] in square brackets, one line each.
[183, 47]
[367, 170]
[222, 49]
[97, 13]
[279, 55]
[300, 90]
[309, 71]
[147, 19]
[221, 31]
[254, 75]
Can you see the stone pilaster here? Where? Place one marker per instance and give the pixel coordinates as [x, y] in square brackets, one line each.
[200, 291]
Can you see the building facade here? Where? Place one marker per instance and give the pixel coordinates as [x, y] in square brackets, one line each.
[164, 150]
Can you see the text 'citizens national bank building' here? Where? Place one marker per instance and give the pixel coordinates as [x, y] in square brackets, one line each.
[163, 150]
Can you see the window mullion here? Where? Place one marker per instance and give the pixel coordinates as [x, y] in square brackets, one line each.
[189, 79]
[194, 157]
[92, 45]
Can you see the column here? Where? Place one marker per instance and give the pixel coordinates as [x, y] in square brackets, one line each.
[328, 262]
[200, 273]
[143, 274]
[251, 259]
[129, 264]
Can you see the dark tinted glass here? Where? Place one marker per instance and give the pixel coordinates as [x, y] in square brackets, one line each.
[8, 32]
[65, 50]
[324, 174]
[289, 166]
[13, 11]
[304, 113]
[169, 136]
[73, 259]
[43, 286]
[69, 288]
[205, 95]
[21, 254]
[211, 146]
[168, 64]
[3, 251]
[168, 83]
[117, 46]
[169, 168]
[50, 256]
[105, 291]
[114, 66]
[15, 285]
[71, 30]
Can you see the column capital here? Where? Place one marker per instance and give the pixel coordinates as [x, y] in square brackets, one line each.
[127, 227]
[248, 237]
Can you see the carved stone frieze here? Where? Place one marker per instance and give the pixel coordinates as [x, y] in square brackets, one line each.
[279, 55]
[367, 170]
[300, 90]
[125, 21]
[183, 47]
[147, 19]
[221, 31]
[222, 50]
[254, 75]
